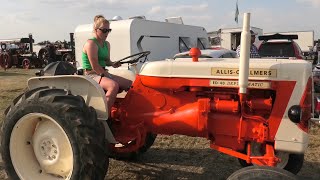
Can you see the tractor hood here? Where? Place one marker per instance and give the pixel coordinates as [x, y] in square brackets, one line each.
[261, 69]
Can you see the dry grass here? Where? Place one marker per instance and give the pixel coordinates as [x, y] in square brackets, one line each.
[12, 83]
[171, 157]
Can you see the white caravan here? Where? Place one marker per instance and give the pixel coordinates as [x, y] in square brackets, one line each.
[130, 36]
[229, 38]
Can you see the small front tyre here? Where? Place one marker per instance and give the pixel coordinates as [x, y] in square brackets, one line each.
[261, 173]
[290, 162]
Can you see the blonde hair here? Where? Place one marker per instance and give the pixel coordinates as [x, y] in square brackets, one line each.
[98, 21]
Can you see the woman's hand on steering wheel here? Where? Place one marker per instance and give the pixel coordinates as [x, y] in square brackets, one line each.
[132, 59]
[116, 64]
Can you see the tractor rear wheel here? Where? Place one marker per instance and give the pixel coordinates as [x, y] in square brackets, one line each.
[44, 56]
[150, 138]
[51, 134]
[261, 173]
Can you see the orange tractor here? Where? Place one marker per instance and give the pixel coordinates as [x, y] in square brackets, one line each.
[257, 112]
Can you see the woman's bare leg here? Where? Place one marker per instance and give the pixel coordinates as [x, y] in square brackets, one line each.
[124, 84]
[112, 89]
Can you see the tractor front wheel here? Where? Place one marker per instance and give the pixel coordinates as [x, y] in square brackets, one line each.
[261, 173]
[289, 162]
[51, 134]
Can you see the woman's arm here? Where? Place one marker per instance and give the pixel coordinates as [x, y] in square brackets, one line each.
[92, 52]
[108, 61]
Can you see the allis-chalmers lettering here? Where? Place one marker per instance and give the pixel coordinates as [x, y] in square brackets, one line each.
[252, 72]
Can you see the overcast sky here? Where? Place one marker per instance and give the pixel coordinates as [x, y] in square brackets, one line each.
[55, 19]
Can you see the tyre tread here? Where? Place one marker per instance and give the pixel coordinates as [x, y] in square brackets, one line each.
[87, 133]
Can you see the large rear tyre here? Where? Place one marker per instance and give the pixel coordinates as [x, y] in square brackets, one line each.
[261, 173]
[150, 138]
[51, 134]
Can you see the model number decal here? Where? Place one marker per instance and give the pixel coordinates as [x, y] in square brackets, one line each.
[229, 83]
[252, 72]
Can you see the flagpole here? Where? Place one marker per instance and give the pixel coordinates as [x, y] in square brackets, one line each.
[236, 13]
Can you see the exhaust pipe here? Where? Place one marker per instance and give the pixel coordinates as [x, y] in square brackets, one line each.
[31, 42]
[72, 42]
[244, 67]
[244, 57]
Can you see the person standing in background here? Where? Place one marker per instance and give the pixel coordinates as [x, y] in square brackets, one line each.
[253, 49]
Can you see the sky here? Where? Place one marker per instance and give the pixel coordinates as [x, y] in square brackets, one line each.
[54, 19]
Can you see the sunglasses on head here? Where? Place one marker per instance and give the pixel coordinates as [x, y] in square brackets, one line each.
[105, 30]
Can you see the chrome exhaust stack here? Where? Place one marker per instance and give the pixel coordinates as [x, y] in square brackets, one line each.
[244, 57]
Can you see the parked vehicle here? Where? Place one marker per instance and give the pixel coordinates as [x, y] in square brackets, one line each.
[210, 53]
[19, 53]
[258, 112]
[316, 78]
[305, 40]
[280, 46]
[58, 51]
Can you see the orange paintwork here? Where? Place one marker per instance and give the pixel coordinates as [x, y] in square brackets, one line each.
[305, 104]
[195, 53]
[192, 107]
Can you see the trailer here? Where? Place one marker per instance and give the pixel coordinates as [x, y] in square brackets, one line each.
[229, 38]
[130, 36]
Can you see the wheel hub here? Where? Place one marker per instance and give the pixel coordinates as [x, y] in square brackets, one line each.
[49, 149]
[48, 142]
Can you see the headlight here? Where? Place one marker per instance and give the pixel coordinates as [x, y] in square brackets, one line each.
[295, 113]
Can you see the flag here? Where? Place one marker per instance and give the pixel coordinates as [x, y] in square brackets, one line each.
[236, 13]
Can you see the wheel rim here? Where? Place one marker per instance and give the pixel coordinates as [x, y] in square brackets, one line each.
[67, 58]
[284, 156]
[40, 148]
[26, 64]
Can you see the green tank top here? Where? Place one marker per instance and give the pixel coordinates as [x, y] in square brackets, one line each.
[103, 53]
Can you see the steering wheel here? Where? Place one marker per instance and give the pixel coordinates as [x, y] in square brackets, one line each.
[134, 58]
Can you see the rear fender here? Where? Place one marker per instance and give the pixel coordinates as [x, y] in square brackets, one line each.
[89, 89]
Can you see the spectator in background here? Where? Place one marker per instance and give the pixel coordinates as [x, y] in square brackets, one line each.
[253, 49]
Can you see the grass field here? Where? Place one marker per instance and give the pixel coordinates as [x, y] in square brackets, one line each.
[171, 157]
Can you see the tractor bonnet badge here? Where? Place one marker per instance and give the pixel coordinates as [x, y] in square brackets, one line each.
[217, 71]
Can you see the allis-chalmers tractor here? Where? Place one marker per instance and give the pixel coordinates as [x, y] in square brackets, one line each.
[257, 112]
